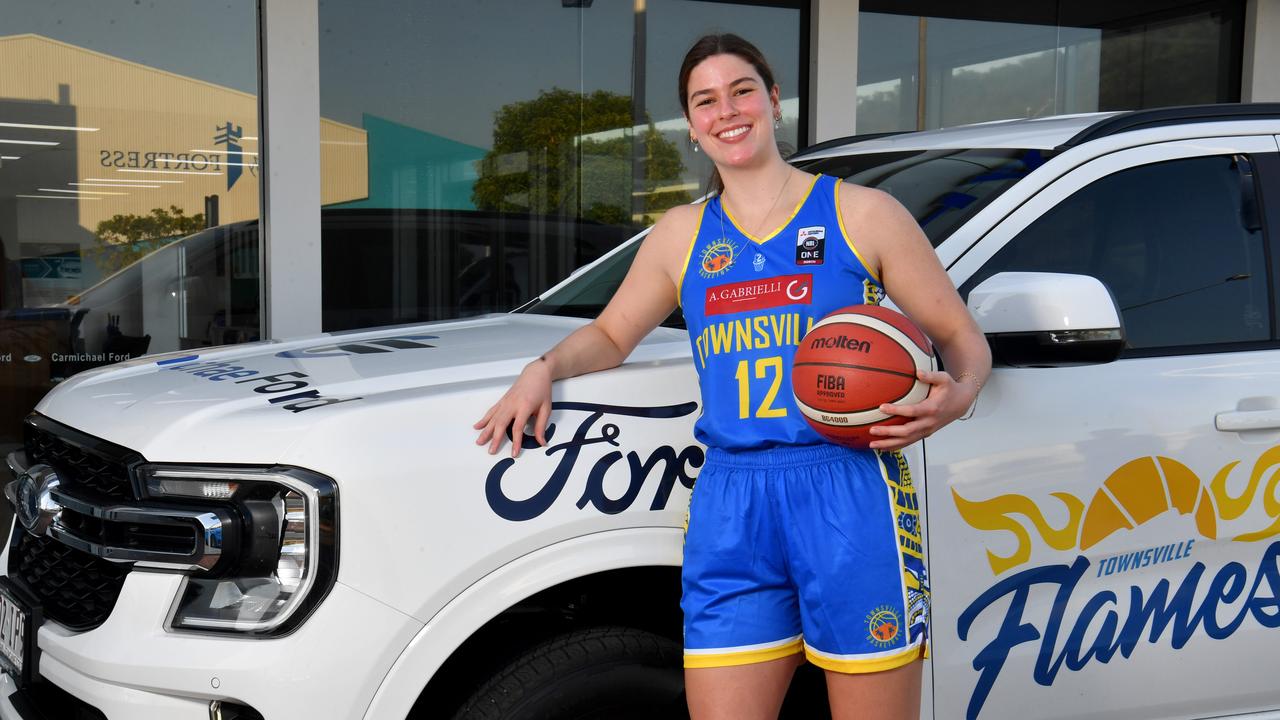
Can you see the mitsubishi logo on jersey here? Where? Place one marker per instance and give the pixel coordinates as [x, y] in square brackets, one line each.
[759, 294]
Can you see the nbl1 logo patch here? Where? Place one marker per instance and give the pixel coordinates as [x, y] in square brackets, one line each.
[811, 245]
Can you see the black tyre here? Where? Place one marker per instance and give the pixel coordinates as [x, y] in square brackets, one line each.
[596, 674]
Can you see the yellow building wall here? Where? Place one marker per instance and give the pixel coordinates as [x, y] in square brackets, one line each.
[146, 120]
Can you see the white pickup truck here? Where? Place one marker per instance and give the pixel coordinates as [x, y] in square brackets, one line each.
[306, 528]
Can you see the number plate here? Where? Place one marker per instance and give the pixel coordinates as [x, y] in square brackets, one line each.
[19, 620]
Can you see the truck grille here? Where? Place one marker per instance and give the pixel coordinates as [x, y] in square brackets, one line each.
[145, 537]
[76, 589]
[82, 461]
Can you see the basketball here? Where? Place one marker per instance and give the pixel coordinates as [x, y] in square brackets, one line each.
[851, 362]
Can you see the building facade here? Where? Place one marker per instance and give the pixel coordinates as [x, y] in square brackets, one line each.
[175, 175]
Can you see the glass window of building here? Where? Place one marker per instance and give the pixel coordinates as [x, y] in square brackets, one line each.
[924, 64]
[128, 186]
[486, 150]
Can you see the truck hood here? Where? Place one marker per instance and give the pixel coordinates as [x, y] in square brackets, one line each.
[249, 403]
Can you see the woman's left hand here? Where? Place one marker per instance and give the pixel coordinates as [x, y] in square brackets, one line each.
[947, 401]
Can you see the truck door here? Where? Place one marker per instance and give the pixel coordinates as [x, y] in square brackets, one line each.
[1104, 539]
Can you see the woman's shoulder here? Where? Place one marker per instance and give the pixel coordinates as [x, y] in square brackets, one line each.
[669, 240]
[875, 221]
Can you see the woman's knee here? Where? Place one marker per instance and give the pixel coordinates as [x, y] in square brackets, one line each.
[885, 695]
[740, 692]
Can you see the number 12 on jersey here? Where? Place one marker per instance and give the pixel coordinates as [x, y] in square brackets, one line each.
[764, 367]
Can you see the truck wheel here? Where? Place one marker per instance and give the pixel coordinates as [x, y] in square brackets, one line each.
[598, 674]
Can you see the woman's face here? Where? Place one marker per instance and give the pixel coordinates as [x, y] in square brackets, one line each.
[731, 112]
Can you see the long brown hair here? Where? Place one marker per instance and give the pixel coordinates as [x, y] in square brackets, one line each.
[721, 44]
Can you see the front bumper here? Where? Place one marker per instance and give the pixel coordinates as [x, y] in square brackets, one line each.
[130, 668]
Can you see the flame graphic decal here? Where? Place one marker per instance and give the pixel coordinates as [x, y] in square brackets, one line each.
[1135, 493]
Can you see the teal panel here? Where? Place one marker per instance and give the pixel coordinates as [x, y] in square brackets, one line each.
[414, 169]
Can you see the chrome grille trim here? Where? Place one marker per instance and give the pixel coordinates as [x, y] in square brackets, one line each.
[207, 528]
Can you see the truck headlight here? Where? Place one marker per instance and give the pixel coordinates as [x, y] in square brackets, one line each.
[285, 554]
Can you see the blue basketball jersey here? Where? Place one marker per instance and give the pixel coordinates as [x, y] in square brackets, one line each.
[748, 301]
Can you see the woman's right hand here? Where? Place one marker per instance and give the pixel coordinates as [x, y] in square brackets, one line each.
[646, 296]
[528, 397]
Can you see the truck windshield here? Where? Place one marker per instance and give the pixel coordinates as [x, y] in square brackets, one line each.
[941, 189]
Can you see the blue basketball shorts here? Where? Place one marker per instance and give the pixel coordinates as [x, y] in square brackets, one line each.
[812, 549]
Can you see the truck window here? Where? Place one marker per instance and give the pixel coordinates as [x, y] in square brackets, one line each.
[941, 189]
[1179, 243]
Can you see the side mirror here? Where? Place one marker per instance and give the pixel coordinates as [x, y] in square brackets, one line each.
[1034, 319]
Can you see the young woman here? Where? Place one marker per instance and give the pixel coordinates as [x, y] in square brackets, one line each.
[793, 548]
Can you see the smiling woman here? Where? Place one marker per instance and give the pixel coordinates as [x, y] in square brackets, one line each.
[779, 516]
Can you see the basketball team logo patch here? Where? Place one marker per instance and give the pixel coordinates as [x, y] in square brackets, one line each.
[882, 626]
[811, 245]
[716, 259]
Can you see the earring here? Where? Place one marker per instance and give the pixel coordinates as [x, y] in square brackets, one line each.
[694, 141]
[777, 121]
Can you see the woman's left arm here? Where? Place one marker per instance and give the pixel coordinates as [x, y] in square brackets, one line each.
[914, 278]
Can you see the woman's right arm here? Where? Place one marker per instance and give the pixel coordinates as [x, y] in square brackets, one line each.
[644, 299]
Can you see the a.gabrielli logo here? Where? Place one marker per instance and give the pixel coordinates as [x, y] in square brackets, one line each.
[716, 258]
[759, 294]
[1170, 602]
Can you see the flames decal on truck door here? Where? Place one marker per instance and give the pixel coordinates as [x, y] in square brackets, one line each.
[1070, 632]
[1135, 493]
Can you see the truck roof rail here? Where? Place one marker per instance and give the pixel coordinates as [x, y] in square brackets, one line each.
[837, 142]
[1177, 115]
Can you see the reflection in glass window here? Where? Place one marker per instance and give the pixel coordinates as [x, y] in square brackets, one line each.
[941, 188]
[888, 71]
[128, 168]
[1179, 244]
[1039, 60]
[509, 143]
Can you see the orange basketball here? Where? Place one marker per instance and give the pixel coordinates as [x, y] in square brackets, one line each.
[851, 362]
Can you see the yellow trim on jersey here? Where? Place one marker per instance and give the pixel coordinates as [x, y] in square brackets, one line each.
[867, 665]
[849, 240]
[794, 212]
[743, 657]
[697, 229]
